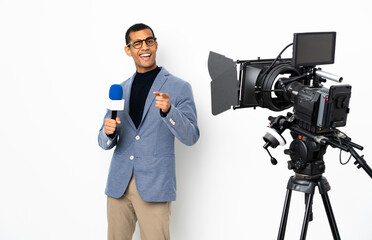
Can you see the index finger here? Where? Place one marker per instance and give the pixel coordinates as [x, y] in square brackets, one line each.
[164, 95]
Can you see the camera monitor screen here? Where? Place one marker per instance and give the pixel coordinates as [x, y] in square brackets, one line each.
[311, 49]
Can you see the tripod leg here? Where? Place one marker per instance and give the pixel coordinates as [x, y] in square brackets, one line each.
[331, 217]
[283, 221]
[311, 207]
[309, 203]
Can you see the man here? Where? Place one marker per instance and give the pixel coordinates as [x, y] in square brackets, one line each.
[158, 107]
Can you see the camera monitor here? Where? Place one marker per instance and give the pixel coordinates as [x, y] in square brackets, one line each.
[310, 49]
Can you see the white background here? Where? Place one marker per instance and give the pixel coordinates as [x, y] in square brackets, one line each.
[57, 62]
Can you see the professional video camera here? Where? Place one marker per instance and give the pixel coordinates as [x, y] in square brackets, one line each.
[278, 84]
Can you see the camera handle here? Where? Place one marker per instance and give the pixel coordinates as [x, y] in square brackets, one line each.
[349, 146]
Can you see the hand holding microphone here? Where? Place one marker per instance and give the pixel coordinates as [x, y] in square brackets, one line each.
[116, 103]
[110, 125]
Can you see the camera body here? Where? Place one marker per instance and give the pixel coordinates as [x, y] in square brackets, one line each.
[278, 84]
[316, 108]
[319, 110]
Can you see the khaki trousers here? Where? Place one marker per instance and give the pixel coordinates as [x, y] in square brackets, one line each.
[123, 213]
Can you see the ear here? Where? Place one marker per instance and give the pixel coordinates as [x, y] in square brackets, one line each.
[127, 50]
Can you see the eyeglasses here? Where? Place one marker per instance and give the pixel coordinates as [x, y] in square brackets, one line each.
[150, 41]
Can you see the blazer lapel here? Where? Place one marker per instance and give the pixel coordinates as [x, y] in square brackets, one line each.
[156, 86]
[126, 96]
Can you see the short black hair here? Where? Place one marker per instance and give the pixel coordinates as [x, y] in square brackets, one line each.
[136, 27]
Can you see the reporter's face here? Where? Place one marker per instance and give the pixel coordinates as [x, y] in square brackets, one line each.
[144, 56]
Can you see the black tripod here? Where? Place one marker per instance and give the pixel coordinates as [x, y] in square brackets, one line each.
[307, 186]
[307, 162]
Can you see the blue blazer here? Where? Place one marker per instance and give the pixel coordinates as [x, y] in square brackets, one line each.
[148, 151]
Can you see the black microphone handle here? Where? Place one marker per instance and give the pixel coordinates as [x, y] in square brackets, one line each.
[114, 114]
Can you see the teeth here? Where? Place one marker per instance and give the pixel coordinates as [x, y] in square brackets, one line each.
[145, 55]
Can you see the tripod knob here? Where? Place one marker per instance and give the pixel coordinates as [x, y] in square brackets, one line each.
[290, 165]
[288, 152]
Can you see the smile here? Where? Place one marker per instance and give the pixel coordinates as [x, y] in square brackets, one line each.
[145, 56]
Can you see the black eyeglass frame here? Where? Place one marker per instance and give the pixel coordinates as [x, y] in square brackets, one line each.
[141, 42]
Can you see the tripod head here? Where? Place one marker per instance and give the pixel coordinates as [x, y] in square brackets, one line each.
[307, 148]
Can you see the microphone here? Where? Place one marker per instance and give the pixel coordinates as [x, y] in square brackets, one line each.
[117, 102]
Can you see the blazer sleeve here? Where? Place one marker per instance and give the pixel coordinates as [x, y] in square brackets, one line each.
[105, 141]
[182, 117]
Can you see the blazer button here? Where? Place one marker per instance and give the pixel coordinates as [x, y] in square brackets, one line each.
[131, 157]
[172, 121]
[138, 138]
